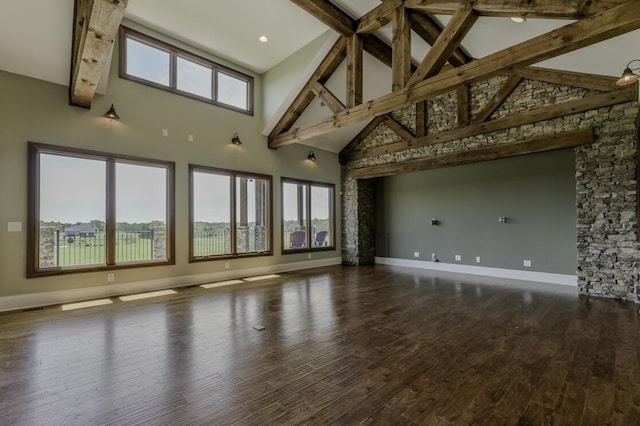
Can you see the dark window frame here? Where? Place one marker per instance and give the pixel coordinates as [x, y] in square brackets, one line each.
[332, 210]
[174, 53]
[33, 213]
[233, 174]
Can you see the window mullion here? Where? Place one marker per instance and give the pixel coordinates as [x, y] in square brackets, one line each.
[111, 212]
[233, 233]
[214, 85]
[308, 218]
[173, 71]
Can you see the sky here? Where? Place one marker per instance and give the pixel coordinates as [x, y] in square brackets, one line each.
[74, 190]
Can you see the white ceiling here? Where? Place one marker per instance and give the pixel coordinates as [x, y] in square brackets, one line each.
[230, 29]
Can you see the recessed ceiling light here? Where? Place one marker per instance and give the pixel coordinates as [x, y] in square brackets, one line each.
[263, 39]
[519, 19]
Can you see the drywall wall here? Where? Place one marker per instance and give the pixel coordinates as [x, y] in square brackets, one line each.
[536, 193]
[34, 110]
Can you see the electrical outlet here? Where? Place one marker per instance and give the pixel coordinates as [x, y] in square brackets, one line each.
[458, 258]
[111, 277]
[416, 254]
[226, 265]
[165, 132]
[190, 138]
[477, 259]
[309, 256]
[527, 263]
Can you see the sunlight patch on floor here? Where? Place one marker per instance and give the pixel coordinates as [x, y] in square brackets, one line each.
[221, 283]
[146, 295]
[87, 304]
[261, 277]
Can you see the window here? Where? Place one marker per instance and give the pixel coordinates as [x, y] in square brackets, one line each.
[151, 62]
[230, 214]
[90, 210]
[308, 216]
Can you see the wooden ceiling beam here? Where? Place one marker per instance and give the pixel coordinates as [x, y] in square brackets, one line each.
[463, 105]
[613, 22]
[421, 119]
[95, 27]
[429, 30]
[360, 137]
[333, 103]
[329, 14]
[354, 70]
[397, 128]
[547, 112]
[529, 146]
[576, 79]
[329, 64]
[494, 103]
[344, 25]
[377, 17]
[446, 43]
[401, 49]
[548, 9]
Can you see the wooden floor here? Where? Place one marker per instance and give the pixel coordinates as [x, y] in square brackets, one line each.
[342, 345]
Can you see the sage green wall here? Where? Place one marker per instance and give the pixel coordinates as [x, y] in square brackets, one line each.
[34, 110]
[535, 192]
[279, 79]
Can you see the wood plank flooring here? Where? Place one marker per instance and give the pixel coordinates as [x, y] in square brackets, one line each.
[341, 345]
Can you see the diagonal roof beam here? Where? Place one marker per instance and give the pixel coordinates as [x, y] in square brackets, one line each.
[585, 32]
[95, 26]
[446, 43]
[344, 25]
[568, 9]
[377, 17]
[328, 65]
[429, 30]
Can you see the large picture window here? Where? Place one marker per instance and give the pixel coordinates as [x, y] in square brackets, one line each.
[151, 62]
[230, 213]
[308, 216]
[90, 210]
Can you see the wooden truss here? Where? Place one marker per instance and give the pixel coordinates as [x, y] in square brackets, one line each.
[597, 20]
[96, 24]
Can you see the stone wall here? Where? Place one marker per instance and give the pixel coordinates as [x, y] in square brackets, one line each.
[606, 177]
[159, 242]
[358, 221]
[47, 247]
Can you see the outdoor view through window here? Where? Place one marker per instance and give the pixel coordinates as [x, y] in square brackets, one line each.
[307, 215]
[73, 212]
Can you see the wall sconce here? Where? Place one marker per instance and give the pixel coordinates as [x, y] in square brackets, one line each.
[502, 219]
[434, 222]
[112, 114]
[236, 139]
[311, 156]
[628, 75]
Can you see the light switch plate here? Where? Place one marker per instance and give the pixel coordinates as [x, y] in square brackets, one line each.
[14, 226]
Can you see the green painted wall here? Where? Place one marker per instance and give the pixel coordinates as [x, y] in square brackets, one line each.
[34, 110]
[535, 192]
[287, 78]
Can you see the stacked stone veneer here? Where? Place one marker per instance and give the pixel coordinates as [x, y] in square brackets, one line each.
[606, 173]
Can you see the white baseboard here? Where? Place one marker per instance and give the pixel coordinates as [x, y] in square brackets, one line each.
[31, 300]
[514, 274]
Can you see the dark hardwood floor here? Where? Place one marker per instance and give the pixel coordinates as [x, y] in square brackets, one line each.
[341, 345]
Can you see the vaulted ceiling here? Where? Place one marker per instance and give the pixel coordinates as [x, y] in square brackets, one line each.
[230, 29]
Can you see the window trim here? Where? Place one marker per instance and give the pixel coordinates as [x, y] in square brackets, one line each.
[233, 174]
[33, 209]
[332, 208]
[174, 53]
